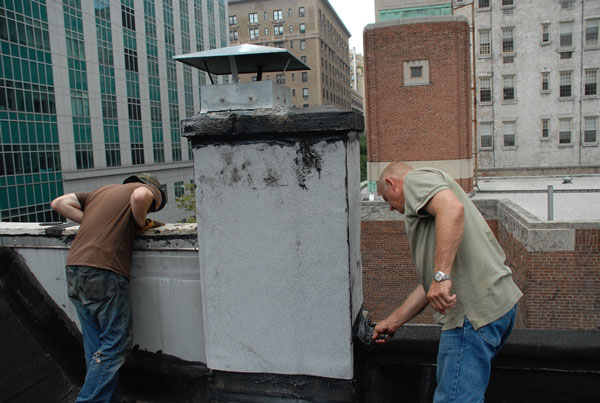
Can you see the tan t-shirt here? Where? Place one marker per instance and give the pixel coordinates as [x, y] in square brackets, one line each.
[105, 236]
[482, 283]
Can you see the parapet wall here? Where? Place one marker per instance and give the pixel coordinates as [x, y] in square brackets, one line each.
[556, 265]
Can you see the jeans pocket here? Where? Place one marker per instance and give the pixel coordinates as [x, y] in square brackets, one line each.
[98, 286]
[493, 333]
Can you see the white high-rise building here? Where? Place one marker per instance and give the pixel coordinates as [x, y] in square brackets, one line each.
[537, 65]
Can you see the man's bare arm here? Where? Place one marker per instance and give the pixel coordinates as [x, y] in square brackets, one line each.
[411, 307]
[68, 206]
[449, 228]
[141, 200]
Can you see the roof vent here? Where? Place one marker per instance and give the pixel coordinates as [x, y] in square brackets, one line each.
[243, 59]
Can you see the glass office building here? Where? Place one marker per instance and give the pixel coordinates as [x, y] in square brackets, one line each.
[90, 94]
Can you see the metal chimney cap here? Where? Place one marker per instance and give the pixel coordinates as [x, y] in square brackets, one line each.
[248, 58]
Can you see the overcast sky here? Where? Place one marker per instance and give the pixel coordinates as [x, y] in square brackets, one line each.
[355, 14]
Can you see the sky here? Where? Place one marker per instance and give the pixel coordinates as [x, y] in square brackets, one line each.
[355, 14]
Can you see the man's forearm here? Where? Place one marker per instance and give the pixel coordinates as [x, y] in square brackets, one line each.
[411, 307]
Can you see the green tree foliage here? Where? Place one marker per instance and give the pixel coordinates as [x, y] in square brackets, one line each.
[188, 201]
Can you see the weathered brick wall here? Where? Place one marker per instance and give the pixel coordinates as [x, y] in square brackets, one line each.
[560, 289]
[419, 122]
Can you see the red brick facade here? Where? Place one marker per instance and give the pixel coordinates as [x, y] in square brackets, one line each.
[419, 122]
[561, 289]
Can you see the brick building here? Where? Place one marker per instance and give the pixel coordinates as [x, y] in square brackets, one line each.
[312, 31]
[418, 95]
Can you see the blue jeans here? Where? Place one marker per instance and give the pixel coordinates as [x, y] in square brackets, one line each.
[465, 358]
[101, 298]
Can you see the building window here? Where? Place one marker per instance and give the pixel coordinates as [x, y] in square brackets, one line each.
[485, 89]
[486, 135]
[508, 40]
[301, 11]
[179, 189]
[506, 3]
[278, 30]
[305, 93]
[253, 33]
[253, 18]
[566, 34]
[564, 130]
[233, 35]
[508, 88]
[233, 20]
[590, 129]
[566, 83]
[416, 72]
[303, 59]
[545, 33]
[591, 82]
[303, 28]
[291, 28]
[591, 32]
[545, 128]
[289, 12]
[277, 15]
[304, 76]
[485, 47]
[280, 78]
[302, 44]
[484, 4]
[509, 134]
[545, 81]
[266, 31]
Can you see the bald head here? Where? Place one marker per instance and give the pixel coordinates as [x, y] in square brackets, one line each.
[391, 184]
[395, 170]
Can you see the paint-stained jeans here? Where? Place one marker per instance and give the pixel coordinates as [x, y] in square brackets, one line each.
[465, 359]
[101, 298]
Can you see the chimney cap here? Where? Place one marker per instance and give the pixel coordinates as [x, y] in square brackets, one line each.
[248, 58]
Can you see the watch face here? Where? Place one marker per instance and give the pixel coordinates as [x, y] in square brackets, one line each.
[438, 276]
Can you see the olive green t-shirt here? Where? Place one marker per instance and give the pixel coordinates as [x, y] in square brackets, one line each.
[482, 283]
[105, 235]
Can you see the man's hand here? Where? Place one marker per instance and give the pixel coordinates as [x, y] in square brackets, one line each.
[150, 224]
[384, 331]
[439, 296]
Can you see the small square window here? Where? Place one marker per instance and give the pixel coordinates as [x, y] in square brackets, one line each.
[416, 72]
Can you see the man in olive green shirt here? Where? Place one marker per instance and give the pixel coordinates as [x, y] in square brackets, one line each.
[461, 270]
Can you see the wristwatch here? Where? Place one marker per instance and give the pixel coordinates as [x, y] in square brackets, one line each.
[440, 276]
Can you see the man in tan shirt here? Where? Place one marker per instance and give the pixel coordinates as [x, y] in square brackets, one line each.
[462, 274]
[97, 273]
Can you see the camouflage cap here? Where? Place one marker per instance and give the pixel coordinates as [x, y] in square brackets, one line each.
[148, 179]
